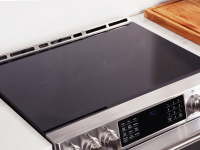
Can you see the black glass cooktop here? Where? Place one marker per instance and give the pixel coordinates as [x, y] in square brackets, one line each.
[70, 82]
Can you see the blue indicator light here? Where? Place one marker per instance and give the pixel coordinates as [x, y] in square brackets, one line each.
[152, 113]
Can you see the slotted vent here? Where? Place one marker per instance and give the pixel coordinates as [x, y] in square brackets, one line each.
[118, 22]
[3, 57]
[61, 40]
[22, 51]
[43, 45]
[95, 29]
[77, 35]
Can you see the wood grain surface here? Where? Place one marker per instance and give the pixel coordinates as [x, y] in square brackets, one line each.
[179, 16]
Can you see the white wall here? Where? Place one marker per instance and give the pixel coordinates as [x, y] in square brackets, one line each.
[24, 24]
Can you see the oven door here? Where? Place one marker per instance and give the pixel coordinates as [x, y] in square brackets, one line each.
[192, 143]
[185, 136]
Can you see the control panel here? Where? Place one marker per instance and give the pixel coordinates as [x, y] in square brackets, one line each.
[151, 120]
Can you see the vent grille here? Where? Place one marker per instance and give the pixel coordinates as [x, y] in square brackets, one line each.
[22, 51]
[43, 45]
[3, 57]
[60, 40]
[67, 39]
[95, 29]
[77, 35]
[118, 22]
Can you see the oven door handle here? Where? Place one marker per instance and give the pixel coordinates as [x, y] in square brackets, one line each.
[186, 142]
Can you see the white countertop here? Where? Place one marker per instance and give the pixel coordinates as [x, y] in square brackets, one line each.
[17, 134]
[167, 34]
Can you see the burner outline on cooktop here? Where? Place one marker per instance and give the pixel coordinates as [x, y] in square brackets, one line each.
[53, 66]
[117, 41]
[71, 50]
[91, 100]
[132, 82]
[63, 78]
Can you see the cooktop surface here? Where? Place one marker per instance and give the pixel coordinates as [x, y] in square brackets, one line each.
[67, 83]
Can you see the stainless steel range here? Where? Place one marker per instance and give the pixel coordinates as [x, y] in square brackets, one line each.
[116, 86]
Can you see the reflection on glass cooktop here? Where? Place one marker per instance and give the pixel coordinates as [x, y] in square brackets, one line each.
[63, 84]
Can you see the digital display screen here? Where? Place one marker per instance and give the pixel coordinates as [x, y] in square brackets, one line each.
[151, 120]
[153, 117]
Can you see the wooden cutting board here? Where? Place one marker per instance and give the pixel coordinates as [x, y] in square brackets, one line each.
[179, 16]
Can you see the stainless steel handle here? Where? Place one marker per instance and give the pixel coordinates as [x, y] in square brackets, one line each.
[186, 142]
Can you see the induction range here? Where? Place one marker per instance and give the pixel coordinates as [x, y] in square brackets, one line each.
[99, 88]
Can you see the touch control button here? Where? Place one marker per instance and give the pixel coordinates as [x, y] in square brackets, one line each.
[123, 124]
[130, 132]
[137, 134]
[131, 137]
[123, 129]
[124, 134]
[125, 139]
[180, 114]
[135, 119]
[136, 129]
[169, 119]
[129, 126]
[135, 124]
